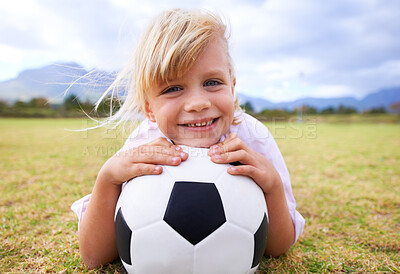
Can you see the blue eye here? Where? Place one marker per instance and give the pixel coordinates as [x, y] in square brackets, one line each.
[171, 89]
[211, 83]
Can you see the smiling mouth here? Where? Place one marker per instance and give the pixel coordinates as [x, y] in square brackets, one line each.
[202, 124]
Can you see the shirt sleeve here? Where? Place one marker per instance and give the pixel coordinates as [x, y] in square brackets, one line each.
[257, 136]
[79, 207]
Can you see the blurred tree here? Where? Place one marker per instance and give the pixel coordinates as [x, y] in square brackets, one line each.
[87, 106]
[39, 102]
[395, 107]
[304, 109]
[328, 110]
[72, 102]
[377, 110]
[107, 104]
[3, 106]
[274, 113]
[346, 110]
[20, 104]
[248, 107]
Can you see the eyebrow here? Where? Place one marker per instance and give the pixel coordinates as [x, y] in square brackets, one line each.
[214, 72]
[207, 74]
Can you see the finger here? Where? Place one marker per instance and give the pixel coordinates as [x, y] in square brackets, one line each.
[161, 141]
[136, 156]
[245, 170]
[164, 150]
[159, 159]
[145, 169]
[218, 148]
[228, 139]
[231, 136]
[234, 143]
[241, 156]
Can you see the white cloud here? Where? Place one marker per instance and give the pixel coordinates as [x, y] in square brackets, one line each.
[325, 91]
[282, 49]
[10, 55]
[285, 69]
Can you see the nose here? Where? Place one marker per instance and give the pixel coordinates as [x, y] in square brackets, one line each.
[197, 101]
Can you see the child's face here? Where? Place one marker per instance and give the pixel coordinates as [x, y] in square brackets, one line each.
[197, 109]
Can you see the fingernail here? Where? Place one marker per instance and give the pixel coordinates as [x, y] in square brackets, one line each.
[183, 154]
[214, 149]
[218, 157]
[157, 169]
[175, 160]
[178, 148]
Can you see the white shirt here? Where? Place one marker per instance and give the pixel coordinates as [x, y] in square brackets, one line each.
[249, 130]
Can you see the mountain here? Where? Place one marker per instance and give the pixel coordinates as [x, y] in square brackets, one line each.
[258, 104]
[54, 80]
[321, 103]
[382, 98]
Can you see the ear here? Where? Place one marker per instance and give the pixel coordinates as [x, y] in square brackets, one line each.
[148, 112]
[233, 85]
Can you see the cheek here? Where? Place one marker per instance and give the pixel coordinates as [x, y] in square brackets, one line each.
[227, 103]
[166, 114]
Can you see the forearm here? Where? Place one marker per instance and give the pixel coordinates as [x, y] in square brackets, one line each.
[96, 235]
[280, 228]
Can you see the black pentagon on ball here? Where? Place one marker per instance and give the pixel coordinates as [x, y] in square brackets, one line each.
[123, 235]
[194, 210]
[260, 241]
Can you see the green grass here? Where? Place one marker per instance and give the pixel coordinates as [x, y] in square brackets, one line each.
[345, 177]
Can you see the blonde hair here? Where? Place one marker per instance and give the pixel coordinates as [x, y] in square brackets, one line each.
[166, 51]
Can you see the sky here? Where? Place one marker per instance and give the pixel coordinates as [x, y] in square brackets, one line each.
[282, 49]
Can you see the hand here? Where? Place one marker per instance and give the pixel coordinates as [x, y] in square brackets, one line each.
[142, 160]
[253, 164]
[98, 246]
[260, 169]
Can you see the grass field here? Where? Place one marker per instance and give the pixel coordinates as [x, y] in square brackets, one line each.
[345, 177]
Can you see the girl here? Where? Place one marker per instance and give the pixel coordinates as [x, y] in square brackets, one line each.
[182, 79]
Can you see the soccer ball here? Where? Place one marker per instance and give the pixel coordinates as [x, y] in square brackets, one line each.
[192, 218]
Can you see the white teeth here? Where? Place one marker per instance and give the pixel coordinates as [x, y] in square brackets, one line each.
[200, 124]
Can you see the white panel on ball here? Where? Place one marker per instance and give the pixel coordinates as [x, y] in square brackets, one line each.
[243, 201]
[228, 250]
[196, 168]
[160, 243]
[149, 208]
